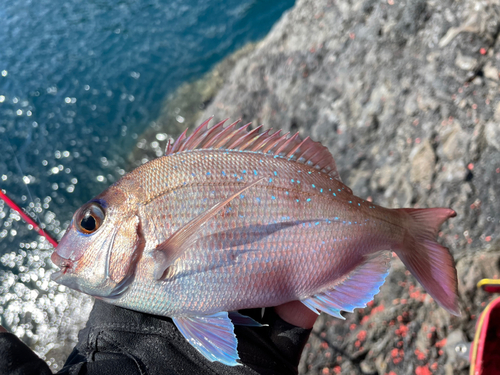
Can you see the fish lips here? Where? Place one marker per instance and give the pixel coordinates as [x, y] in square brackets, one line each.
[64, 275]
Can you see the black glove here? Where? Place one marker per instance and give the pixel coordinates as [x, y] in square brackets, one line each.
[125, 342]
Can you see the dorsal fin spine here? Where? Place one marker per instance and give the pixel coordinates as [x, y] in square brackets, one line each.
[289, 154]
[225, 134]
[168, 149]
[305, 151]
[179, 141]
[251, 141]
[235, 136]
[260, 140]
[289, 143]
[196, 137]
[275, 142]
[212, 133]
[244, 140]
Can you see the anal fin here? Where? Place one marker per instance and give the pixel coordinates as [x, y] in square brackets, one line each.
[354, 290]
[212, 335]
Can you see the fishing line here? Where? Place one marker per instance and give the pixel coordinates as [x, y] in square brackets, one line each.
[12, 205]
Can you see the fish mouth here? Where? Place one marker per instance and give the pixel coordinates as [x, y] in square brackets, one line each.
[65, 275]
[57, 275]
[64, 264]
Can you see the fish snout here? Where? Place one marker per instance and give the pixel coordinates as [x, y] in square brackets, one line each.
[63, 263]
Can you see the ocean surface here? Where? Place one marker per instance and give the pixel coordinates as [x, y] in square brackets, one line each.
[79, 81]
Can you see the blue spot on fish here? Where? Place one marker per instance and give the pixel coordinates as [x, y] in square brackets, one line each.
[292, 180]
[275, 173]
[223, 173]
[270, 179]
[257, 199]
[308, 199]
[244, 171]
[255, 172]
[313, 185]
[321, 190]
[242, 196]
[208, 173]
[102, 202]
[273, 197]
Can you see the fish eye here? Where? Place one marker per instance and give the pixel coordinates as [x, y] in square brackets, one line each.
[89, 218]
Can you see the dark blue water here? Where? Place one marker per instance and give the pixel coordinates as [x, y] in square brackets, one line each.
[79, 80]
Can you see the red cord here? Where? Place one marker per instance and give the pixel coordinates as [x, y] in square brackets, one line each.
[26, 218]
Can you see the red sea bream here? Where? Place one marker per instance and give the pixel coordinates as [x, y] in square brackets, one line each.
[232, 219]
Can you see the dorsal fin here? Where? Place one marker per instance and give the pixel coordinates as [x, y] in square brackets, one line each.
[232, 137]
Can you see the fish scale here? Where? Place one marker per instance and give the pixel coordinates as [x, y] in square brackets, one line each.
[260, 220]
[244, 213]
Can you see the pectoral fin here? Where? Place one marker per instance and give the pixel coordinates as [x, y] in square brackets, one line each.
[355, 290]
[212, 335]
[167, 252]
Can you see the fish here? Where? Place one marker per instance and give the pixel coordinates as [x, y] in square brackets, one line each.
[234, 218]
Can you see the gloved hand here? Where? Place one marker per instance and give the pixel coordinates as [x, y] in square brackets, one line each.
[125, 342]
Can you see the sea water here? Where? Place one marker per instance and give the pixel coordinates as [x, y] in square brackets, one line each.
[79, 80]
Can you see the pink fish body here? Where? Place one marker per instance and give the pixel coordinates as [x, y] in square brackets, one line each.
[232, 219]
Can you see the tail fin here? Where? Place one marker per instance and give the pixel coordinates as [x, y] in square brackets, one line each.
[430, 263]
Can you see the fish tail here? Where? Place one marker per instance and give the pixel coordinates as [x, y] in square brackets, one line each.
[430, 263]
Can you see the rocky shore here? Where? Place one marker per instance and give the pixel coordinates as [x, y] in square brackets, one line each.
[405, 93]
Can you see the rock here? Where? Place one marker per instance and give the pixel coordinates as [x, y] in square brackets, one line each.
[453, 142]
[466, 62]
[491, 72]
[497, 112]
[422, 160]
[492, 134]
